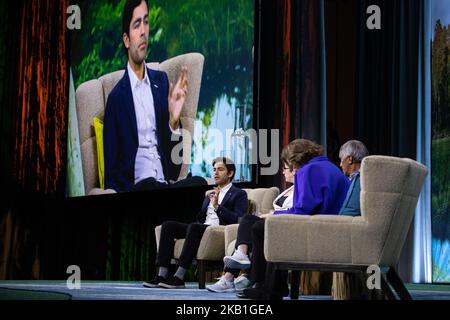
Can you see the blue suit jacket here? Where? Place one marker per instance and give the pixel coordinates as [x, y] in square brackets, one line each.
[319, 188]
[120, 136]
[352, 206]
[233, 206]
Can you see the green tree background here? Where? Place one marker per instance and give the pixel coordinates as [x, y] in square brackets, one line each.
[440, 152]
[221, 30]
[441, 81]
[441, 131]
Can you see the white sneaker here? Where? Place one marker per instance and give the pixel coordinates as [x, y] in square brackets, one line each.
[242, 282]
[237, 261]
[221, 286]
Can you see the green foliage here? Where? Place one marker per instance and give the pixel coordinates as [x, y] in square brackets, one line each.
[440, 152]
[440, 199]
[223, 32]
[217, 29]
[206, 117]
[440, 95]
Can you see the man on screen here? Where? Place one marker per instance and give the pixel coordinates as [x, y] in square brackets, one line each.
[141, 115]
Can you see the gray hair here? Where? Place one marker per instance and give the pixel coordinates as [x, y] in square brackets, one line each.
[355, 149]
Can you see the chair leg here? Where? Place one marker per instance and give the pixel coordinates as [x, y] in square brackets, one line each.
[386, 289]
[295, 284]
[397, 284]
[201, 269]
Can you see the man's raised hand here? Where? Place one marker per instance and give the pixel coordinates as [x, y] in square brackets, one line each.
[177, 97]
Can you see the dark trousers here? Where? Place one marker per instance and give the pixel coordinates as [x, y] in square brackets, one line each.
[171, 230]
[244, 234]
[275, 280]
[259, 263]
[249, 233]
[152, 184]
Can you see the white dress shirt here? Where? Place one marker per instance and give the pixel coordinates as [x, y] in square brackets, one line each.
[288, 202]
[148, 161]
[211, 216]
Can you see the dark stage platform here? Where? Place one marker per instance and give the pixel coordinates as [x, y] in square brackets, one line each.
[116, 290]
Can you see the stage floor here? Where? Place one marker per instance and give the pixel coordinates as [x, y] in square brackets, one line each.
[117, 290]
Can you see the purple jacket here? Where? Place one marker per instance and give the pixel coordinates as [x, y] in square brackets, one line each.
[319, 188]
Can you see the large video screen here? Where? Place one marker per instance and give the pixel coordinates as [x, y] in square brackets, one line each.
[219, 97]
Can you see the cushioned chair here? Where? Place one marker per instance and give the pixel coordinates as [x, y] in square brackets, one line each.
[390, 188]
[216, 242]
[263, 205]
[91, 97]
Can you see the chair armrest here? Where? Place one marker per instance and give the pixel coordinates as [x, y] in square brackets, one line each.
[212, 244]
[230, 236]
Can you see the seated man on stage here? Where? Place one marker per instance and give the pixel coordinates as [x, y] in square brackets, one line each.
[223, 205]
[351, 154]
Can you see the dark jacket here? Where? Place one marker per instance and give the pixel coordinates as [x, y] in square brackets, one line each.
[319, 188]
[233, 206]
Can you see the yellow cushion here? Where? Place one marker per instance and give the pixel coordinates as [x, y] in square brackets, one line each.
[98, 127]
